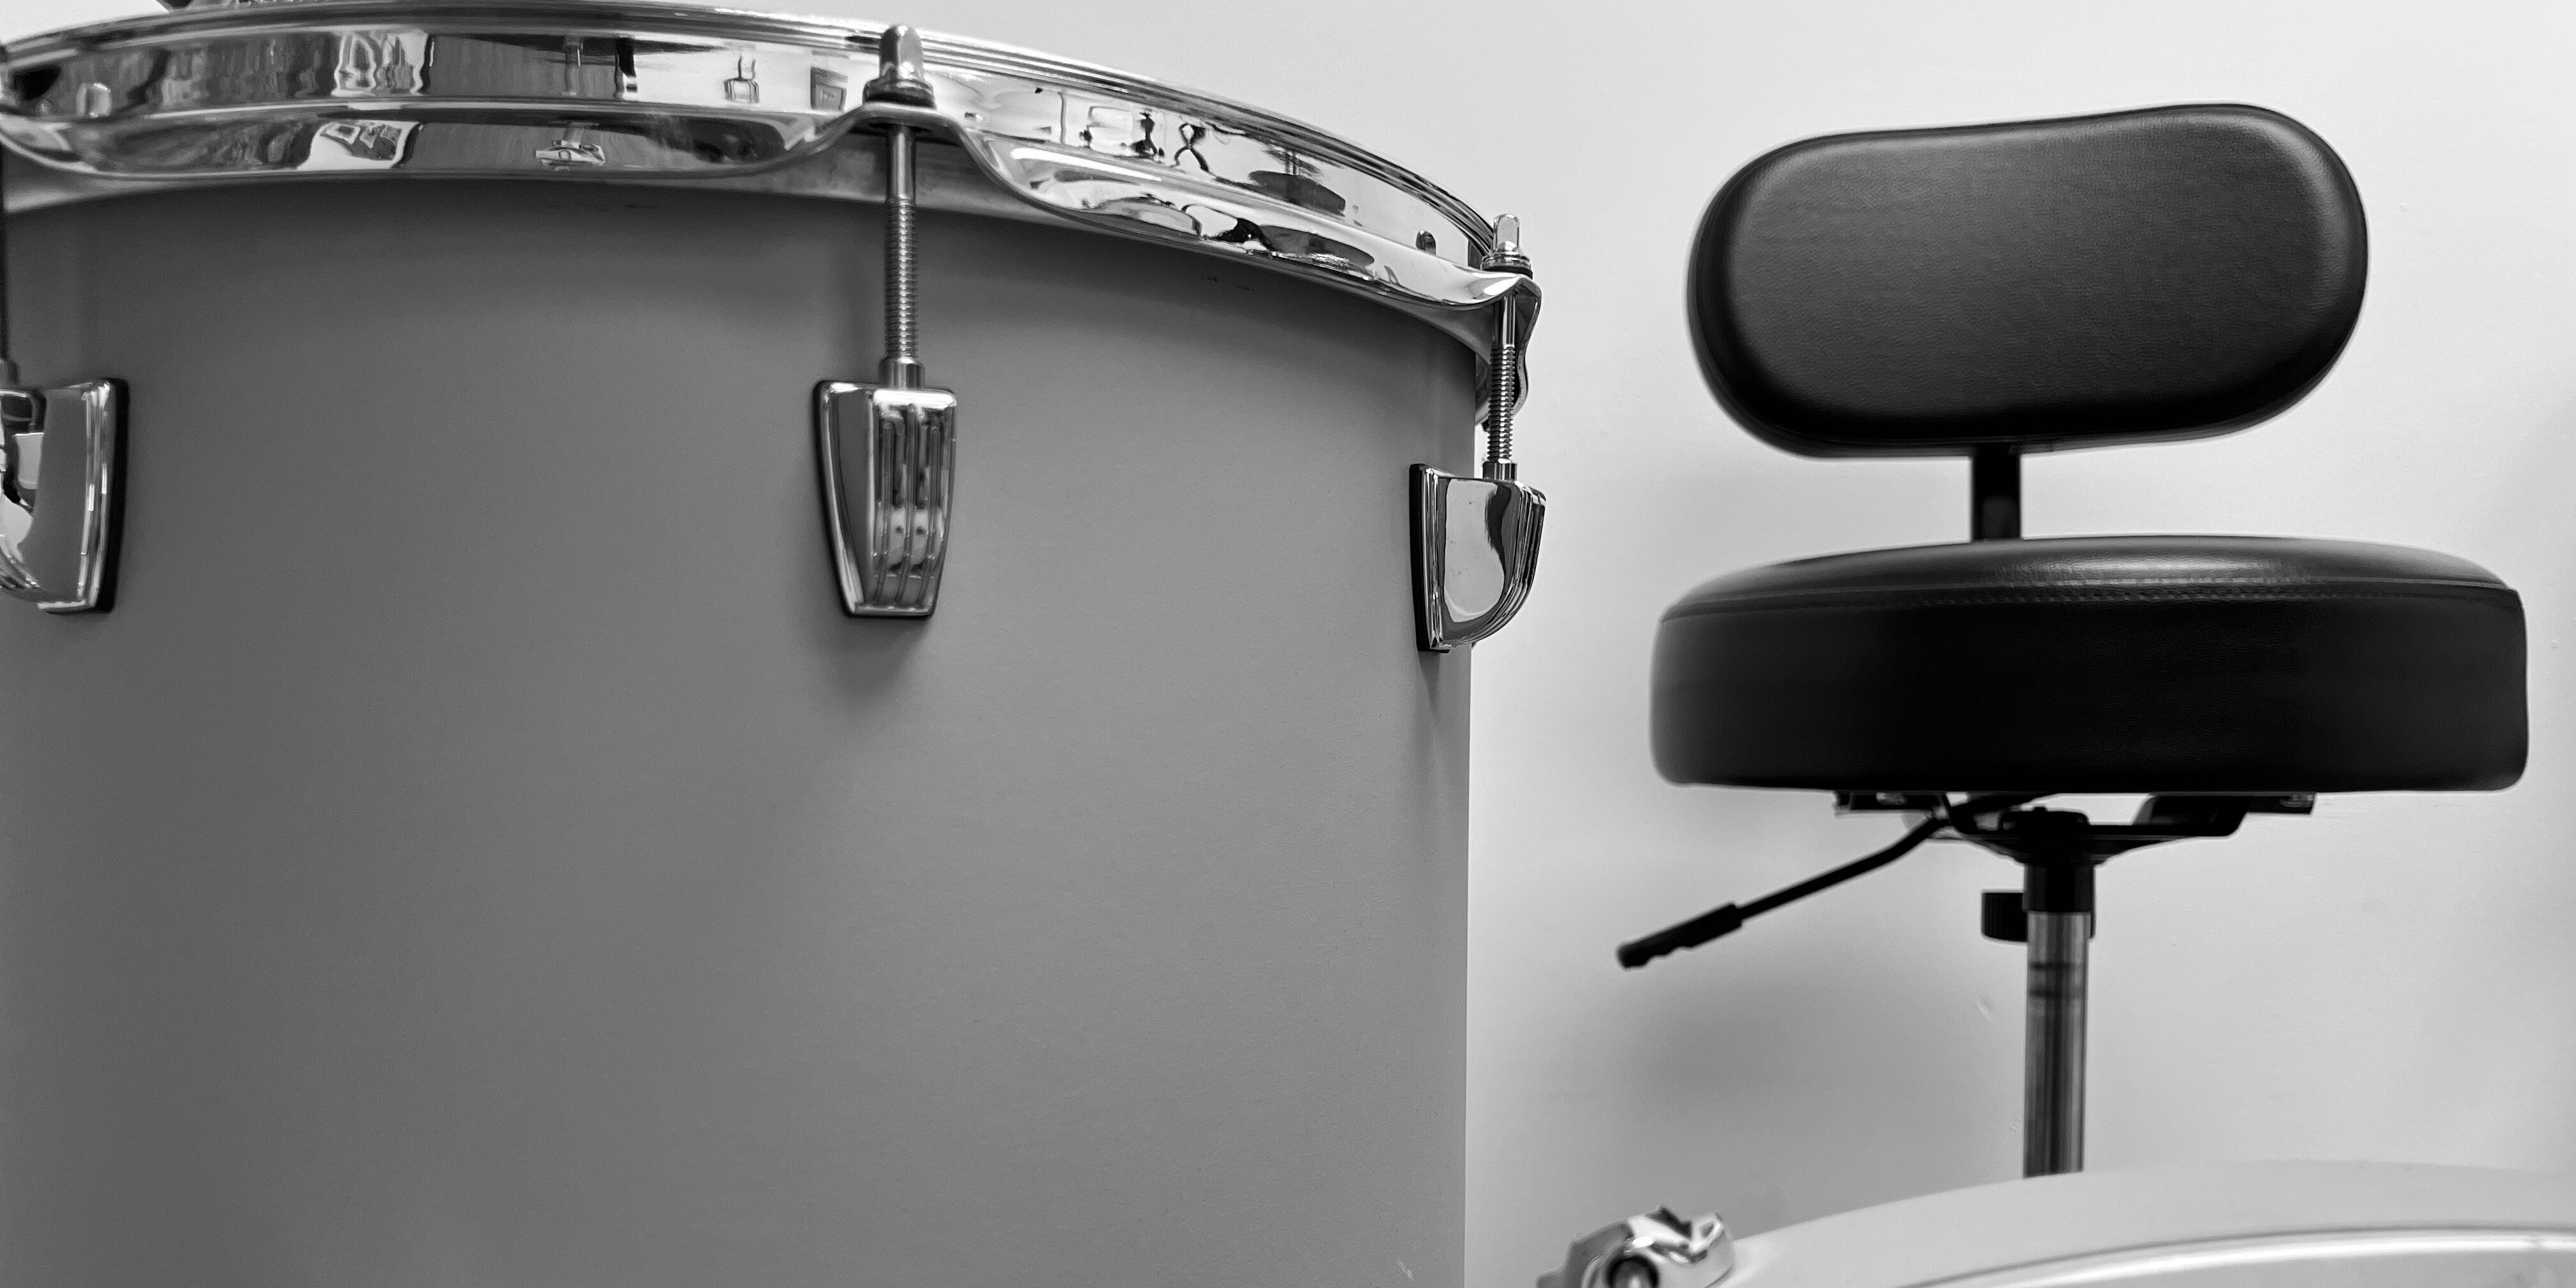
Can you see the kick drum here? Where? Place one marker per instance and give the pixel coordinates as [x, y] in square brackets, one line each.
[598, 709]
[2229, 1225]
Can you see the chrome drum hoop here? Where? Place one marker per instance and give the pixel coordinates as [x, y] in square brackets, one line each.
[636, 91]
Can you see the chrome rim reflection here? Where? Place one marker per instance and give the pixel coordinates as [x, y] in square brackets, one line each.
[634, 91]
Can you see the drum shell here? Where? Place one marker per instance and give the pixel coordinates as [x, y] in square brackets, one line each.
[476, 848]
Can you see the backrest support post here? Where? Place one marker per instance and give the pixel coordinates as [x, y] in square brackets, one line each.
[1994, 482]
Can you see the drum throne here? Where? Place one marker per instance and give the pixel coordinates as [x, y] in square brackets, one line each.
[1991, 291]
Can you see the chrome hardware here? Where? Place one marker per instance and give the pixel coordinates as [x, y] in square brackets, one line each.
[1475, 551]
[902, 77]
[1504, 383]
[888, 452]
[1475, 541]
[2053, 1043]
[530, 88]
[58, 476]
[1657, 1250]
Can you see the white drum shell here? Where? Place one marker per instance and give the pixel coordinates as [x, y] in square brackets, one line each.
[476, 849]
[2243, 1225]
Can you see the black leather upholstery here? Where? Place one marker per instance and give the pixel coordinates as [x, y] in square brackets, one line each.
[2169, 273]
[2166, 273]
[2102, 664]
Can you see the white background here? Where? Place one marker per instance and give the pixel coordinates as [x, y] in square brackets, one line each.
[2394, 978]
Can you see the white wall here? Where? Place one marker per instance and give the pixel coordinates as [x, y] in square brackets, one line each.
[2393, 978]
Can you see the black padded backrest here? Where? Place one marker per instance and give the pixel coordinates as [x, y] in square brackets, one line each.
[2169, 273]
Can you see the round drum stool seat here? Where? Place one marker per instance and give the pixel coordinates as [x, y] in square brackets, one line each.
[2175, 664]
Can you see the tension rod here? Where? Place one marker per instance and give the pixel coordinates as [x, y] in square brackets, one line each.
[8, 369]
[1727, 918]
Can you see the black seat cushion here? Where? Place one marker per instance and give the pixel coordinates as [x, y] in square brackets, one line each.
[2097, 664]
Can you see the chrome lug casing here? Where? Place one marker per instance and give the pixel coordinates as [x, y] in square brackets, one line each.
[58, 493]
[1475, 553]
[888, 457]
[639, 92]
[1656, 1250]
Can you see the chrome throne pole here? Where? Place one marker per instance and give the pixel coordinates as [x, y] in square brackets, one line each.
[2058, 900]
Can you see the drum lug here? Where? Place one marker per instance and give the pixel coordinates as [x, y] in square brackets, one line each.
[888, 457]
[1657, 1250]
[888, 451]
[1475, 541]
[59, 470]
[1475, 551]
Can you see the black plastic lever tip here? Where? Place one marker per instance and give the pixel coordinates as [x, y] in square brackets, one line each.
[1690, 934]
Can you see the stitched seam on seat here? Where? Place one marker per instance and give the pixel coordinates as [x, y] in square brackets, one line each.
[2151, 583]
[2277, 593]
